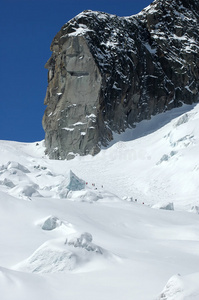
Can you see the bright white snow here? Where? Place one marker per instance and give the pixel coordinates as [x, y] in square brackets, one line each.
[130, 233]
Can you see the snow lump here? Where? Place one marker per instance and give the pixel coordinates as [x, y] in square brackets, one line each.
[75, 252]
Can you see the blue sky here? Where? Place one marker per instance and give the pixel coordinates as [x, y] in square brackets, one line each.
[27, 29]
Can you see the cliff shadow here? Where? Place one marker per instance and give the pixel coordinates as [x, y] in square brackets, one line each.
[146, 127]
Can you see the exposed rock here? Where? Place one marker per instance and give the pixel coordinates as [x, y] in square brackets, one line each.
[51, 223]
[106, 73]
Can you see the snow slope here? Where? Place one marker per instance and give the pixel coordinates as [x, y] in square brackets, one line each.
[99, 243]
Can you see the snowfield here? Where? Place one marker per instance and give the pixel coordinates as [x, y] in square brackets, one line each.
[122, 225]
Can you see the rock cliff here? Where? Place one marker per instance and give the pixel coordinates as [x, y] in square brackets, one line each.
[107, 73]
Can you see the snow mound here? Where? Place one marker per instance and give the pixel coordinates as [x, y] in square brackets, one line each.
[13, 174]
[181, 288]
[109, 197]
[25, 191]
[57, 255]
[166, 206]
[173, 289]
[18, 180]
[195, 209]
[51, 223]
[89, 195]
[84, 196]
[7, 182]
[49, 258]
[15, 165]
[17, 285]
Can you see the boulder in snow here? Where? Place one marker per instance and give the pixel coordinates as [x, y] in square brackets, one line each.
[51, 223]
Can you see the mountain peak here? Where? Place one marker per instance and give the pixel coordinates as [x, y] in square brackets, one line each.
[107, 73]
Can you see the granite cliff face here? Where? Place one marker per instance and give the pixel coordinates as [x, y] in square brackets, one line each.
[106, 73]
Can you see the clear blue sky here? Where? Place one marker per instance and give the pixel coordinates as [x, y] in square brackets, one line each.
[27, 29]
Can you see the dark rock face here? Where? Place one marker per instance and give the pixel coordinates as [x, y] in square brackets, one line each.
[106, 73]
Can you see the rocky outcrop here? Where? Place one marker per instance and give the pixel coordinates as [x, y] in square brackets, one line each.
[107, 73]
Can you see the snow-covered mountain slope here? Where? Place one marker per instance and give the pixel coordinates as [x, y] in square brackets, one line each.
[151, 163]
[100, 239]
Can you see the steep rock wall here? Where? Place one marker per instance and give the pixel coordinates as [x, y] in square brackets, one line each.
[72, 100]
